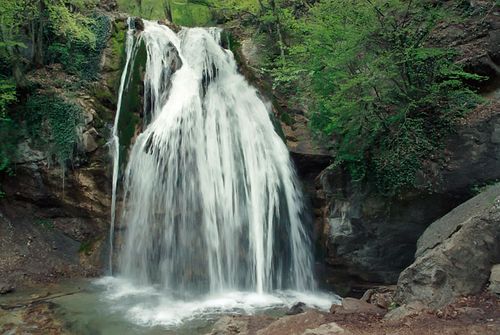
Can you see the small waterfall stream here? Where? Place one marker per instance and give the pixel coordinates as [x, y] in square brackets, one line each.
[212, 205]
[115, 140]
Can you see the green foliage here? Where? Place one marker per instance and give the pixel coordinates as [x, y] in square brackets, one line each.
[51, 123]
[70, 25]
[376, 91]
[82, 57]
[8, 131]
[7, 95]
[187, 13]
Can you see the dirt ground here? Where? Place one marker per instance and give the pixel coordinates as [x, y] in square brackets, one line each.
[475, 315]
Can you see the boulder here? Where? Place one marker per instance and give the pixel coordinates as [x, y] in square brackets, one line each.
[495, 279]
[296, 309]
[455, 254]
[89, 140]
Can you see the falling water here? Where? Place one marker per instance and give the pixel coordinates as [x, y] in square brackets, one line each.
[115, 140]
[211, 200]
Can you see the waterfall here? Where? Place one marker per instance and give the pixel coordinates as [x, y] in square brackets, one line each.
[115, 139]
[211, 200]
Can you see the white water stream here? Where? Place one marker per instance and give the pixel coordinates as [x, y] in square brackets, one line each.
[212, 210]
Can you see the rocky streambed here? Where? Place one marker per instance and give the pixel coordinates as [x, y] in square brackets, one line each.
[79, 308]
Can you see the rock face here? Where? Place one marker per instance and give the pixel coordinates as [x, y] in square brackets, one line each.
[455, 254]
[47, 233]
[54, 221]
[372, 237]
[477, 38]
[495, 279]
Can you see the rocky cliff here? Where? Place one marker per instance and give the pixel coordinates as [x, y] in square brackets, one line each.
[54, 221]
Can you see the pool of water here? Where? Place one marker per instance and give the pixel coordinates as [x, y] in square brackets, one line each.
[114, 306]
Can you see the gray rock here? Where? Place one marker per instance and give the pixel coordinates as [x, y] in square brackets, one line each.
[296, 309]
[6, 288]
[89, 140]
[455, 254]
[495, 279]
[26, 154]
[452, 222]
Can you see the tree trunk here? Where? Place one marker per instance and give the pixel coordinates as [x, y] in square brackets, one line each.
[38, 27]
[168, 10]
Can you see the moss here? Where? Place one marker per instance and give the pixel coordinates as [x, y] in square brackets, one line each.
[117, 46]
[131, 106]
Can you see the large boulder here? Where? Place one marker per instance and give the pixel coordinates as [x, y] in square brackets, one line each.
[455, 254]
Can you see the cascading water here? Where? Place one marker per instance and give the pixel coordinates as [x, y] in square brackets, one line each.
[211, 200]
[115, 140]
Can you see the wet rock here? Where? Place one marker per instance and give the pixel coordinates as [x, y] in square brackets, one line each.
[6, 288]
[296, 309]
[455, 254]
[170, 25]
[495, 279]
[138, 24]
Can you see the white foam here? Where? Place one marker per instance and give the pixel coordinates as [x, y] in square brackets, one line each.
[146, 306]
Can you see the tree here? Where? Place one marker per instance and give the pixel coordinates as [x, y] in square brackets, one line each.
[376, 92]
